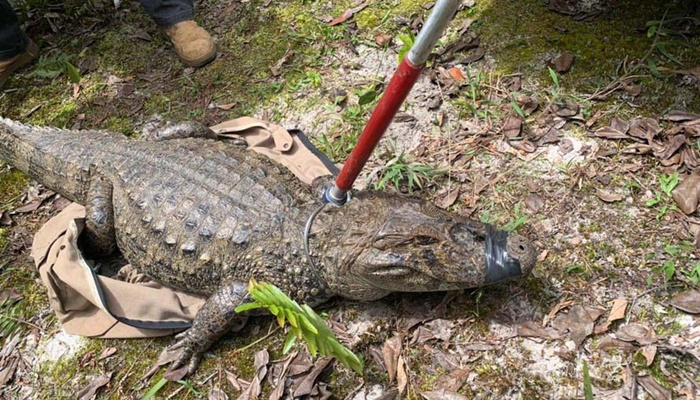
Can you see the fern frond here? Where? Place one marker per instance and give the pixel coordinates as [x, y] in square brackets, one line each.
[303, 321]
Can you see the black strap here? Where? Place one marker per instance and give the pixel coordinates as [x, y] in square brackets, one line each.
[307, 143]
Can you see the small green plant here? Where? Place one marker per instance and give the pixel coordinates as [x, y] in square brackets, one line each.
[9, 317]
[151, 394]
[663, 198]
[668, 269]
[555, 80]
[669, 182]
[49, 67]
[662, 34]
[399, 171]
[574, 269]
[338, 148]
[406, 40]
[487, 218]
[587, 387]
[520, 219]
[303, 323]
[694, 274]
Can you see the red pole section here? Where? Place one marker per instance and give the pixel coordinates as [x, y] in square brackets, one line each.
[394, 95]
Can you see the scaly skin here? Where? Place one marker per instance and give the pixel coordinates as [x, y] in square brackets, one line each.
[205, 216]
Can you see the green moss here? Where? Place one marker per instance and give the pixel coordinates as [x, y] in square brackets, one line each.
[119, 124]
[526, 45]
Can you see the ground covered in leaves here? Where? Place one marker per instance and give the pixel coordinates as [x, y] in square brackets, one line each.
[576, 123]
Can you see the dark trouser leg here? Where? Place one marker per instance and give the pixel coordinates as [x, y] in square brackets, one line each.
[12, 40]
[168, 12]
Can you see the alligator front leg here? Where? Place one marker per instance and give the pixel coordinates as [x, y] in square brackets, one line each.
[213, 320]
[99, 237]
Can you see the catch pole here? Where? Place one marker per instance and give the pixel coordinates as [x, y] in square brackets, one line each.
[400, 85]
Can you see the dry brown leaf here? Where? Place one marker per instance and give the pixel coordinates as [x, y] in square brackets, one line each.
[30, 206]
[441, 329]
[687, 194]
[610, 343]
[456, 74]
[608, 132]
[608, 196]
[555, 310]
[523, 145]
[227, 106]
[601, 328]
[577, 324]
[275, 69]
[7, 371]
[279, 380]
[262, 358]
[217, 394]
[401, 376]
[346, 15]
[654, 388]
[679, 116]
[8, 297]
[390, 352]
[594, 312]
[309, 382]
[551, 136]
[5, 219]
[443, 395]
[89, 391]
[644, 129]
[533, 203]
[449, 198]
[688, 301]
[108, 352]
[636, 333]
[234, 381]
[452, 381]
[649, 352]
[563, 63]
[512, 126]
[617, 310]
[383, 39]
[534, 329]
[632, 89]
[670, 147]
[543, 255]
[565, 109]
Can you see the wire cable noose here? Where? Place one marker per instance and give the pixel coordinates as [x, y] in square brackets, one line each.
[307, 231]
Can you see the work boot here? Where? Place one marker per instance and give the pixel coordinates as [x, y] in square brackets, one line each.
[9, 66]
[193, 44]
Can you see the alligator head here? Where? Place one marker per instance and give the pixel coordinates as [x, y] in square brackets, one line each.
[398, 244]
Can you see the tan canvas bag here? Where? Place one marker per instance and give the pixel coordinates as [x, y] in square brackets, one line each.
[89, 304]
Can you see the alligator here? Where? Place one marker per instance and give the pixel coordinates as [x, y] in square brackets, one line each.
[205, 215]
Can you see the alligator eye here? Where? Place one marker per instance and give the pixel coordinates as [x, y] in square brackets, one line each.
[391, 241]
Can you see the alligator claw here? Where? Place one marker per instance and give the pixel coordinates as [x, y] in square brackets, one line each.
[191, 352]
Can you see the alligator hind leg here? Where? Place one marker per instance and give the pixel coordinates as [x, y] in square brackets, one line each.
[213, 320]
[182, 130]
[99, 237]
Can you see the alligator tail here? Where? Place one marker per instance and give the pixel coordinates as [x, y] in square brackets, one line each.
[58, 158]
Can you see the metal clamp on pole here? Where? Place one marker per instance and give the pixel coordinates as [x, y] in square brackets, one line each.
[400, 85]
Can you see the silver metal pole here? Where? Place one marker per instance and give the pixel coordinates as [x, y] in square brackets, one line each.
[433, 29]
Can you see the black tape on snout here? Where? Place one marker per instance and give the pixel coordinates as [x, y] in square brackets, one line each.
[499, 265]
